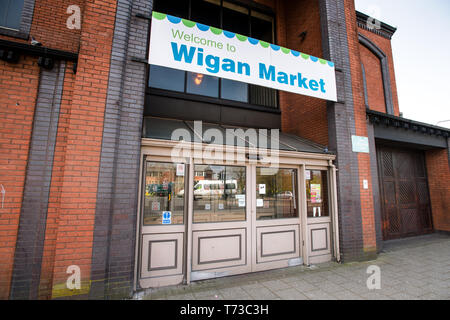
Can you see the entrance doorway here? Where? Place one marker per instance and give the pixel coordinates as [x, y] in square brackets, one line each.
[404, 193]
[245, 219]
[202, 219]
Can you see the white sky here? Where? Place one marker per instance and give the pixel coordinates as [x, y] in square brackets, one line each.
[421, 49]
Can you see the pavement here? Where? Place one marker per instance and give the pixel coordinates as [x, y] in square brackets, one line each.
[410, 269]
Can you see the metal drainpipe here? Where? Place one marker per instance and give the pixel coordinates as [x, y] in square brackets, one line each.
[335, 212]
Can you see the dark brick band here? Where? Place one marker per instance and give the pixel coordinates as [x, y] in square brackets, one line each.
[341, 125]
[33, 216]
[113, 254]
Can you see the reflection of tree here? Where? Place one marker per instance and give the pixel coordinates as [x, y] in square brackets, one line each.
[240, 177]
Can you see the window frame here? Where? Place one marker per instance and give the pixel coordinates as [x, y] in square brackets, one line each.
[328, 198]
[148, 161]
[295, 193]
[246, 213]
[219, 100]
[25, 22]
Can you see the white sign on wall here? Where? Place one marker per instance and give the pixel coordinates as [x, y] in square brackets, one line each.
[360, 144]
[186, 45]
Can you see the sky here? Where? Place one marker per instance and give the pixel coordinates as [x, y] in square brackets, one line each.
[421, 49]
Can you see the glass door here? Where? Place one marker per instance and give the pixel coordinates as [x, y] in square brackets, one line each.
[220, 221]
[163, 224]
[277, 219]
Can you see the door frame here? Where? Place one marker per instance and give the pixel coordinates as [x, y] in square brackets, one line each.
[216, 227]
[161, 151]
[383, 147]
[280, 224]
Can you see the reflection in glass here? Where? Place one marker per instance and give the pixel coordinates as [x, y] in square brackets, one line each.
[219, 193]
[262, 26]
[235, 18]
[234, 90]
[206, 12]
[166, 78]
[163, 192]
[175, 8]
[11, 13]
[201, 84]
[317, 193]
[276, 193]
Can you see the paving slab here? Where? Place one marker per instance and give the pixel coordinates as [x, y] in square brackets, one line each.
[411, 269]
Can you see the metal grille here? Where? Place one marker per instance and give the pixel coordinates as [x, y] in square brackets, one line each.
[394, 224]
[388, 168]
[406, 192]
[263, 96]
[409, 221]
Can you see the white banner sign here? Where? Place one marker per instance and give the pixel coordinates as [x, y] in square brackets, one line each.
[182, 44]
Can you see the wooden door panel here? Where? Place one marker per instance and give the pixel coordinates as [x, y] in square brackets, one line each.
[404, 193]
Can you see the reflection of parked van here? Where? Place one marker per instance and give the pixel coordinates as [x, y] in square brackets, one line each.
[213, 188]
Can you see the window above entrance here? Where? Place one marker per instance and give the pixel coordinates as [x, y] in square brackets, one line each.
[228, 16]
[11, 13]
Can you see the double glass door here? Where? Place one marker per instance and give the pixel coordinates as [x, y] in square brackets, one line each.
[206, 220]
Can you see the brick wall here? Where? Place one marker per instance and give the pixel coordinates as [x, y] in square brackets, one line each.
[73, 162]
[341, 126]
[113, 259]
[385, 45]
[84, 132]
[366, 195]
[49, 25]
[302, 115]
[374, 79]
[18, 91]
[438, 170]
[54, 202]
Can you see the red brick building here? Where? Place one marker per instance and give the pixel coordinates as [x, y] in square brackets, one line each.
[84, 118]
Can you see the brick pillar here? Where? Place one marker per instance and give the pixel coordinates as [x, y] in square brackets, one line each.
[18, 90]
[364, 172]
[347, 117]
[74, 238]
[33, 214]
[54, 199]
